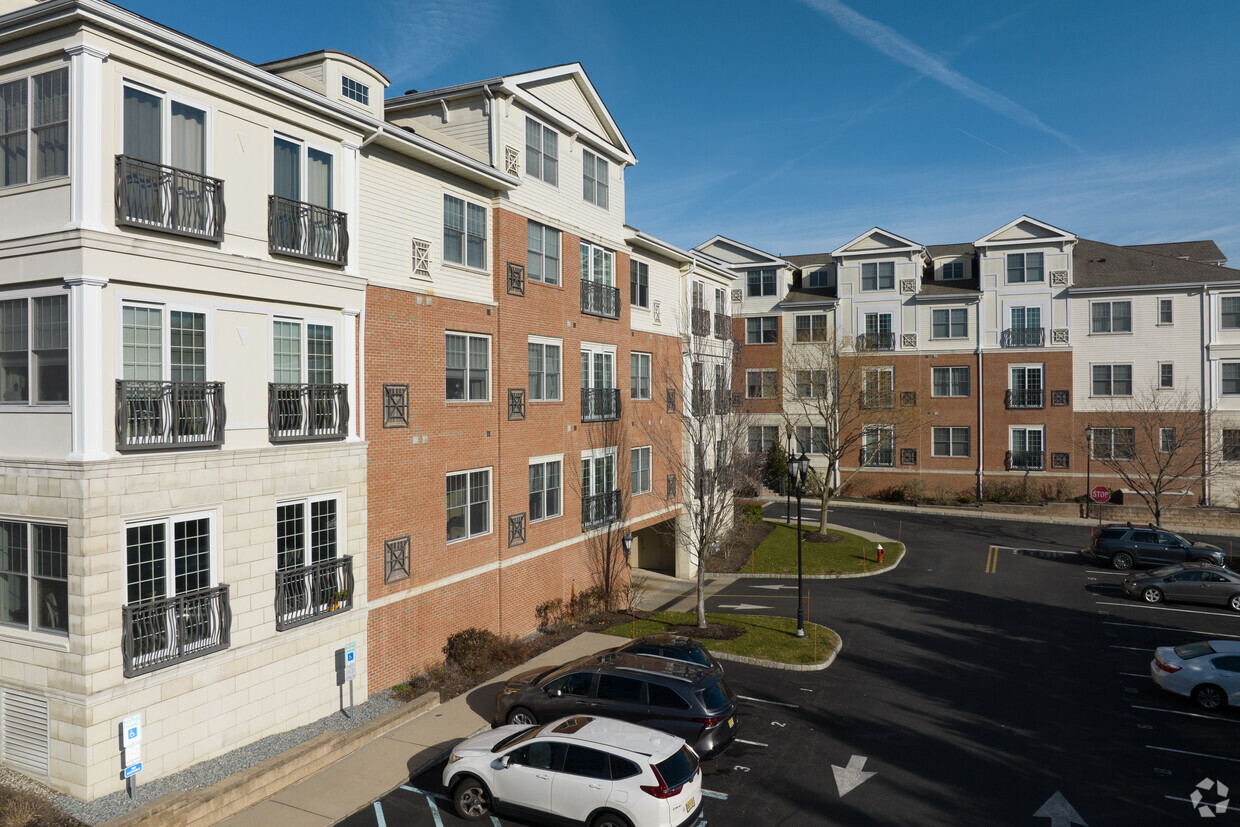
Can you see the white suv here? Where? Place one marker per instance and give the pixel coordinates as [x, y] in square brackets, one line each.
[582, 770]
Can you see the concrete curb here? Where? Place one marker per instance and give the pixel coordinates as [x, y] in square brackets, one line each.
[789, 667]
[248, 787]
[740, 575]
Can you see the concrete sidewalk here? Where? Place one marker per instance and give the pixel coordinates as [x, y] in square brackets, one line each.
[391, 759]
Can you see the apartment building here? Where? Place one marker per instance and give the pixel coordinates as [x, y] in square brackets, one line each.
[1010, 347]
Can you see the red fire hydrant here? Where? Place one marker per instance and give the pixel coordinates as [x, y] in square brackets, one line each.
[880, 552]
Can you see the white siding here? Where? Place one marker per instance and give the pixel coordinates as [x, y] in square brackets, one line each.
[565, 96]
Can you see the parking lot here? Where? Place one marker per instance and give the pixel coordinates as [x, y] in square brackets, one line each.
[995, 677]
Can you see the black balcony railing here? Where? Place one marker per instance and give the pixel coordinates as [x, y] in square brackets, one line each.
[600, 509]
[307, 413]
[1024, 337]
[600, 404]
[600, 300]
[701, 321]
[171, 200]
[878, 457]
[703, 401]
[155, 415]
[723, 402]
[160, 633]
[723, 326]
[876, 341]
[301, 230]
[1025, 398]
[306, 594]
[1025, 460]
[877, 400]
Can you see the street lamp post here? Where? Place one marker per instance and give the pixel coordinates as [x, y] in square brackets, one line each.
[797, 469]
[788, 489]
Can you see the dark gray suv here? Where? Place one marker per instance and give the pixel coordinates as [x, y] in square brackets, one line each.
[689, 701]
[1125, 546]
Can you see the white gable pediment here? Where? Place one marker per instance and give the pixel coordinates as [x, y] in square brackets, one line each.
[877, 240]
[567, 92]
[566, 96]
[733, 252]
[1024, 230]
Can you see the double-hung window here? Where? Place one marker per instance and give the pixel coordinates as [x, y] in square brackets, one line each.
[594, 178]
[762, 437]
[1114, 443]
[1024, 267]
[468, 367]
[880, 442]
[950, 442]
[952, 381]
[812, 439]
[1166, 375]
[761, 384]
[878, 275]
[639, 375]
[1231, 378]
[34, 576]
[760, 283]
[762, 330]
[546, 479]
[639, 475]
[34, 350]
[1113, 380]
[464, 232]
[1110, 317]
[812, 328]
[34, 128]
[949, 323]
[543, 253]
[542, 152]
[639, 283]
[812, 384]
[877, 387]
[1166, 311]
[545, 370]
[1167, 442]
[469, 504]
[1229, 312]
[1231, 445]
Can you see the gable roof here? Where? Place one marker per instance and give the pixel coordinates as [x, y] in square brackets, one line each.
[812, 260]
[1204, 251]
[1102, 266]
[898, 244]
[945, 250]
[1022, 231]
[753, 257]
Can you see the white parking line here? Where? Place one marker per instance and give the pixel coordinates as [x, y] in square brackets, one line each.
[1106, 571]
[713, 794]
[762, 701]
[1198, 754]
[751, 743]
[1133, 648]
[1134, 674]
[1167, 629]
[1189, 714]
[1190, 801]
[1137, 605]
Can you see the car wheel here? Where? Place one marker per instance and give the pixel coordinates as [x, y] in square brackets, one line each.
[1152, 595]
[1209, 696]
[1204, 560]
[610, 820]
[1234, 602]
[471, 799]
[1121, 561]
[521, 716]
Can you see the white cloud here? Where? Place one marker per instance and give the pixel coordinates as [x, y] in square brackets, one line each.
[419, 37]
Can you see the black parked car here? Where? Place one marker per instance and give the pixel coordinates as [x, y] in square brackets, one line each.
[689, 701]
[673, 647]
[1125, 546]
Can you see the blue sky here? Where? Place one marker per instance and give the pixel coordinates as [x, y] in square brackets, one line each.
[795, 125]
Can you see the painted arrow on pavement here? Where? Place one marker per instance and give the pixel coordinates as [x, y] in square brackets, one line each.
[774, 587]
[742, 607]
[849, 778]
[1060, 812]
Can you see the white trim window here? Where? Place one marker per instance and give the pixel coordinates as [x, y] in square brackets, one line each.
[1167, 441]
[1028, 447]
[1230, 376]
[639, 283]
[762, 437]
[302, 352]
[1231, 445]
[1229, 313]
[878, 387]
[34, 350]
[639, 375]
[34, 112]
[158, 346]
[878, 275]
[949, 381]
[762, 330]
[760, 283]
[1166, 312]
[545, 369]
[812, 439]
[950, 442]
[600, 498]
[1110, 317]
[354, 90]
[762, 384]
[307, 531]
[1114, 380]
[168, 556]
[598, 265]
[1166, 375]
[546, 487]
[467, 367]
[1114, 443]
[880, 446]
[639, 474]
[811, 328]
[594, 178]
[34, 576]
[821, 278]
[302, 172]
[469, 504]
[811, 384]
[949, 323]
[542, 253]
[952, 270]
[464, 232]
[1024, 268]
[542, 152]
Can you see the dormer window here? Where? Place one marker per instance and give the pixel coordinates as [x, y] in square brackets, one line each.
[878, 275]
[355, 91]
[953, 270]
[820, 278]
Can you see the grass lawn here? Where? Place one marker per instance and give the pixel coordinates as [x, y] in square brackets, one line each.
[777, 554]
[768, 638]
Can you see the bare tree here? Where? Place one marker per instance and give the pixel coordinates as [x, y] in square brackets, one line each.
[604, 494]
[1158, 443]
[842, 400]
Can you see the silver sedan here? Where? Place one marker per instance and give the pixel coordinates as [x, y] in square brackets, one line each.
[1190, 582]
[1207, 671]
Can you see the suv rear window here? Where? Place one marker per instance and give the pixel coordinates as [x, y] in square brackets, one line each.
[1112, 533]
[679, 768]
[717, 695]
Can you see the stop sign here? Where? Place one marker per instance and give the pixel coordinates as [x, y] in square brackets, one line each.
[1100, 494]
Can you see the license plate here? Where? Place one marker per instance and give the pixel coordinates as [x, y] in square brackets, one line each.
[689, 806]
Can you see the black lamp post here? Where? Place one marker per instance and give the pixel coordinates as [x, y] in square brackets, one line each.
[627, 542]
[788, 489]
[797, 470]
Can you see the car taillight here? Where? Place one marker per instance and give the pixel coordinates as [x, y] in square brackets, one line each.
[662, 791]
[1168, 667]
[708, 721]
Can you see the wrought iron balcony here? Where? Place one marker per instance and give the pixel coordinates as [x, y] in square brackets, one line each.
[307, 413]
[309, 593]
[600, 300]
[877, 400]
[702, 400]
[701, 321]
[159, 633]
[154, 415]
[1024, 337]
[723, 326]
[600, 404]
[1025, 460]
[1025, 398]
[301, 230]
[876, 341]
[600, 509]
[160, 197]
[723, 402]
[878, 457]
